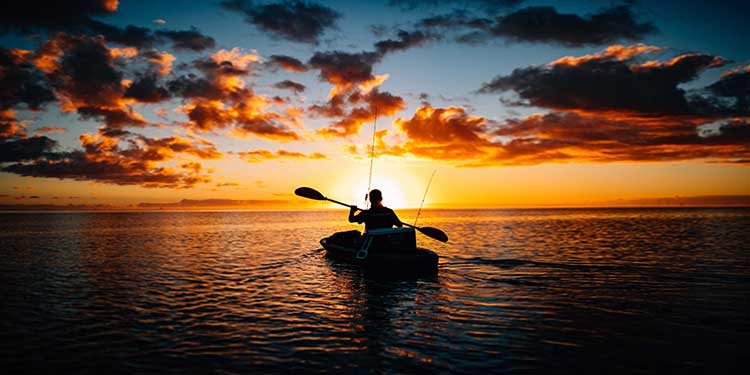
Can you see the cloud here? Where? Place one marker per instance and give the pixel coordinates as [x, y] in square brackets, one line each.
[404, 41]
[449, 134]
[20, 82]
[544, 24]
[219, 99]
[734, 84]
[290, 85]
[15, 145]
[615, 82]
[158, 149]
[192, 39]
[82, 71]
[288, 63]
[10, 127]
[52, 130]
[114, 118]
[486, 5]
[103, 160]
[146, 89]
[14, 150]
[160, 21]
[161, 60]
[298, 21]
[344, 68]
[29, 16]
[134, 36]
[572, 137]
[75, 19]
[365, 108]
[257, 156]
[452, 134]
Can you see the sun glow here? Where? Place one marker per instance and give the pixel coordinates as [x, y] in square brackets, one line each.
[353, 192]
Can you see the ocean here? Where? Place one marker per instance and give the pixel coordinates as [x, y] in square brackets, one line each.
[518, 291]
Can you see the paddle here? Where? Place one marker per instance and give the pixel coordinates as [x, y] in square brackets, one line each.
[311, 193]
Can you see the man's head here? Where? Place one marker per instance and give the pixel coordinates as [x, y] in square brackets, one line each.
[376, 196]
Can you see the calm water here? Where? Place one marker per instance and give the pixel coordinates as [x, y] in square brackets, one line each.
[518, 291]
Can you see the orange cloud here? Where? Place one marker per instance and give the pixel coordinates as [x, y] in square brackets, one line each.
[373, 104]
[617, 52]
[257, 156]
[451, 134]
[162, 60]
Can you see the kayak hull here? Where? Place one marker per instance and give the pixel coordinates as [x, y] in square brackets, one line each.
[417, 259]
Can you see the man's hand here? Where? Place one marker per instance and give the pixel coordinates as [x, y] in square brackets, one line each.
[353, 208]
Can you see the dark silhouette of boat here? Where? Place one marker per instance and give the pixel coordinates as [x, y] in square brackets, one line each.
[388, 250]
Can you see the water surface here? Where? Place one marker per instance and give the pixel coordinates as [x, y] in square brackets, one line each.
[518, 291]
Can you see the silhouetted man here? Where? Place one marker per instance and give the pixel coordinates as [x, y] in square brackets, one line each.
[378, 216]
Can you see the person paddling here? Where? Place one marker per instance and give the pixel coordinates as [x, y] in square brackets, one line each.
[378, 216]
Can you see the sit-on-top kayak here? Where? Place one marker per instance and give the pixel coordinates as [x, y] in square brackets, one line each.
[384, 249]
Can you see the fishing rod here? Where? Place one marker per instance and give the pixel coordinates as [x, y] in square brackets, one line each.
[372, 158]
[424, 196]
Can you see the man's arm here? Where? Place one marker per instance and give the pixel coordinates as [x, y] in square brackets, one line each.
[355, 218]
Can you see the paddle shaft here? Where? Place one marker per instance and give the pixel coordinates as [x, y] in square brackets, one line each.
[341, 203]
[344, 204]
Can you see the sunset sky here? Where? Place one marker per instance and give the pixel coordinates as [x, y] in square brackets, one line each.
[511, 102]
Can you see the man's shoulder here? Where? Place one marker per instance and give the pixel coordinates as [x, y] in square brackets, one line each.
[388, 210]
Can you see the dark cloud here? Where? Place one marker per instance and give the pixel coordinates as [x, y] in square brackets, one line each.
[192, 86]
[30, 16]
[290, 85]
[146, 89]
[298, 21]
[20, 82]
[215, 68]
[113, 117]
[288, 63]
[486, 5]
[86, 74]
[14, 150]
[613, 82]
[404, 41]
[103, 160]
[192, 39]
[257, 156]
[735, 84]
[543, 24]
[341, 68]
[457, 18]
[135, 36]
[75, 18]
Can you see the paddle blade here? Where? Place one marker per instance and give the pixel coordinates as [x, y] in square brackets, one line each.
[434, 233]
[309, 193]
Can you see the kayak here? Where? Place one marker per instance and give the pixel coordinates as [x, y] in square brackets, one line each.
[383, 249]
